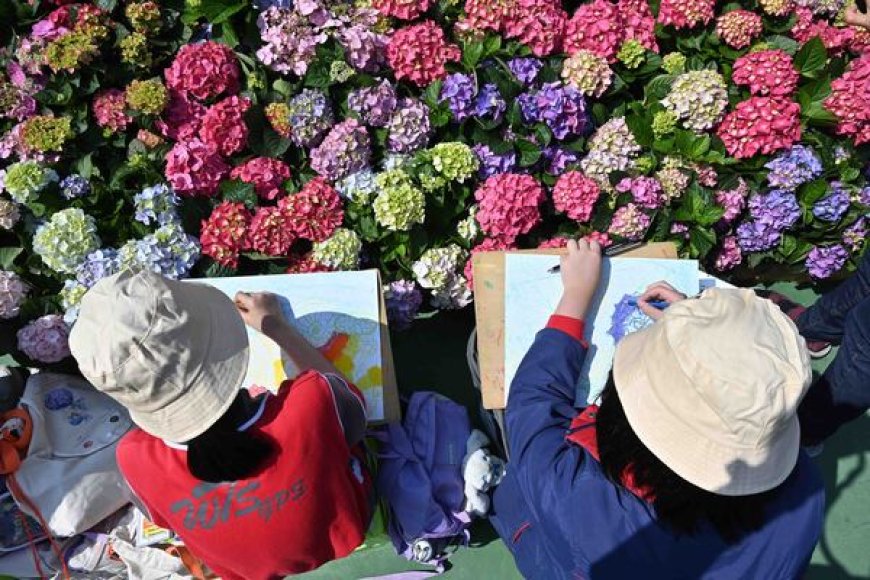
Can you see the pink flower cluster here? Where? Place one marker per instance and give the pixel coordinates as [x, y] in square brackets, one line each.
[402, 9]
[315, 212]
[850, 100]
[306, 264]
[266, 174]
[760, 125]
[646, 191]
[204, 70]
[224, 234]
[109, 106]
[508, 205]
[733, 200]
[487, 245]
[539, 24]
[575, 195]
[419, 52]
[766, 72]
[629, 222]
[836, 40]
[686, 13]
[194, 168]
[739, 28]
[601, 27]
[729, 256]
[269, 232]
[182, 117]
[223, 125]
[46, 339]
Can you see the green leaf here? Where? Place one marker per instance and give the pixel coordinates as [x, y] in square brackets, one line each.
[529, 152]
[8, 255]
[701, 241]
[237, 190]
[282, 87]
[783, 43]
[850, 174]
[257, 257]
[543, 134]
[84, 166]
[811, 192]
[432, 93]
[699, 147]
[472, 54]
[658, 88]
[216, 270]
[640, 129]
[491, 45]
[811, 57]
[788, 246]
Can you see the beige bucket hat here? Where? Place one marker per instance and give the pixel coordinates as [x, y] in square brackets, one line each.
[173, 353]
[712, 389]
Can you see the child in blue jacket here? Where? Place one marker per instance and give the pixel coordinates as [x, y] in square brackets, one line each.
[690, 468]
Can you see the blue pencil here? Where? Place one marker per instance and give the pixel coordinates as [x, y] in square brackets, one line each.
[660, 304]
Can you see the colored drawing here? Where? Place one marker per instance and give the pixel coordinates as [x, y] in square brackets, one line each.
[531, 296]
[337, 312]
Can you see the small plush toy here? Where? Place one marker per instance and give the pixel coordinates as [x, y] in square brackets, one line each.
[482, 471]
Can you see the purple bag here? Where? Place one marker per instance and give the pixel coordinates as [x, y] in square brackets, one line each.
[420, 478]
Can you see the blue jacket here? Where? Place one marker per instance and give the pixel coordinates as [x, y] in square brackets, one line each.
[562, 518]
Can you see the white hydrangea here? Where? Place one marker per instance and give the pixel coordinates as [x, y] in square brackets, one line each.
[468, 228]
[437, 267]
[340, 251]
[454, 295]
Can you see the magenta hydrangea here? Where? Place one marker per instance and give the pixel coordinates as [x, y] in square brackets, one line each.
[729, 256]
[575, 195]
[509, 205]
[733, 200]
[760, 125]
[646, 191]
[266, 174]
[193, 168]
[766, 72]
[205, 70]
[420, 52]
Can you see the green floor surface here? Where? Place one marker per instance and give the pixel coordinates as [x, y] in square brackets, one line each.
[432, 357]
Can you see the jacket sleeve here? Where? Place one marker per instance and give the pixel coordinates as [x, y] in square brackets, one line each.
[541, 406]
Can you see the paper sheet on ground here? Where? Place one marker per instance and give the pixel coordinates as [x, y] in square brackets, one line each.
[531, 296]
[338, 312]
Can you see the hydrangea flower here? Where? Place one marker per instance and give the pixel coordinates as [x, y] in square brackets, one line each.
[437, 267]
[403, 301]
[791, 169]
[733, 200]
[595, 27]
[454, 160]
[525, 69]
[409, 127]
[575, 195]
[97, 265]
[315, 212]
[289, 40]
[850, 101]
[738, 28]
[224, 234]
[346, 149]
[458, 89]
[664, 123]
[419, 52]
[454, 295]
[766, 72]
[698, 98]
[340, 251]
[364, 48]
[193, 168]
[43, 133]
[468, 229]
[562, 108]
[149, 96]
[182, 117]
[74, 186]
[70, 298]
[835, 39]
[13, 291]
[156, 204]
[109, 110]
[612, 148]
[305, 264]
[25, 179]
[632, 54]
[310, 117]
[776, 7]
[559, 159]
[9, 214]
[772, 213]
[65, 240]
[855, 235]
[647, 192]
[825, 261]
[686, 13]
[340, 71]
[278, 115]
[270, 233]
[402, 9]
[587, 72]
[358, 187]
[492, 163]
[833, 206]
[399, 203]
[45, 339]
[538, 24]
[508, 205]
[760, 125]
[629, 222]
[375, 105]
[489, 102]
[205, 70]
[729, 256]
[674, 63]
[135, 50]
[144, 16]
[266, 174]
[169, 251]
[223, 125]
[673, 180]
[822, 7]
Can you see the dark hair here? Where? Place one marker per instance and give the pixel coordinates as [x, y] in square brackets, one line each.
[223, 453]
[679, 504]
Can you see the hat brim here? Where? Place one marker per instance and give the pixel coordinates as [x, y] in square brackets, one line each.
[706, 463]
[208, 395]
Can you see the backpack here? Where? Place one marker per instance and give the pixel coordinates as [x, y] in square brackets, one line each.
[420, 478]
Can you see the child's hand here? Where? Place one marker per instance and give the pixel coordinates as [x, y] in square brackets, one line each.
[581, 272]
[258, 307]
[659, 291]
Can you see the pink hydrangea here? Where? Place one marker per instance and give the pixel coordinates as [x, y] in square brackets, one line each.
[596, 27]
[204, 70]
[707, 175]
[629, 222]
[554, 243]
[538, 24]
[646, 191]
[766, 72]
[561, 241]
[835, 39]
[306, 264]
[270, 232]
[603, 238]
[739, 28]
[268, 175]
[729, 256]
[223, 125]
[860, 42]
[686, 13]
[575, 195]
[483, 15]
[419, 52]
[181, 118]
[487, 245]
[315, 212]
[109, 106]
[508, 205]
[733, 200]
[46, 339]
[760, 125]
[194, 168]
[850, 100]
[638, 22]
[224, 234]
[402, 9]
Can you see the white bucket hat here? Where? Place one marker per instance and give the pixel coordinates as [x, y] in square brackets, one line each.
[712, 390]
[173, 353]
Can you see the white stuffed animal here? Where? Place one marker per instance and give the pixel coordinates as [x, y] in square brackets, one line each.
[481, 471]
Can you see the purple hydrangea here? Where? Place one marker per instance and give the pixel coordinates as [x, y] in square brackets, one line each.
[825, 261]
[854, 235]
[458, 90]
[409, 127]
[156, 204]
[832, 207]
[489, 103]
[345, 150]
[310, 117]
[403, 301]
[73, 186]
[796, 166]
[365, 49]
[525, 69]
[492, 163]
[559, 159]
[374, 105]
[772, 213]
[45, 339]
[864, 196]
[562, 108]
[289, 40]
[753, 236]
[97, 265]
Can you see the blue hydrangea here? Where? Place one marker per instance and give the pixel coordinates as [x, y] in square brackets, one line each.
[796, 166]
[156, 204]
[73, 186]
[525, 69]
[492, 163]
[96, 266]
[169, 251]
[489, 103]
[458, 90]
[561, 107]
[358, 187]
[833, 206]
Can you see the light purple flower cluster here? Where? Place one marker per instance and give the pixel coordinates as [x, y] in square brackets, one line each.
[290, 40]
[525, 69]
[834, 205]
[492, 163]
[345, 150]
[489, 103]
[403, 299]
[45, 339]
[646, 191]
[374, 105]
[96, 266]
[794, 167]
[562, 108]
[310, 117]
[825, 261]
[560, 160]
[365, 49]
[864, 196]
[73, 186]
[463, 98]
[409, 126]
[855, 234]
[772, 213]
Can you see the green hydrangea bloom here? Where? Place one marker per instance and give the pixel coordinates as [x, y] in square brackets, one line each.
[149, 97]
[399, 204]
[468, 229]
[340, 251]
[70, 51]
[23, 180]
[664, 123]
[437, 267]
[455, 161]
[674, 63]
[340, 71]
[632, 53]
[645, 164]
[71, 294]
[46, 133]
[134, 50]
[65, 239]
[144, 16]
[430, 182]
[8, 95]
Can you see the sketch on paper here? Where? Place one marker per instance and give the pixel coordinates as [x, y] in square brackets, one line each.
[531, 296]
[337, 312]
